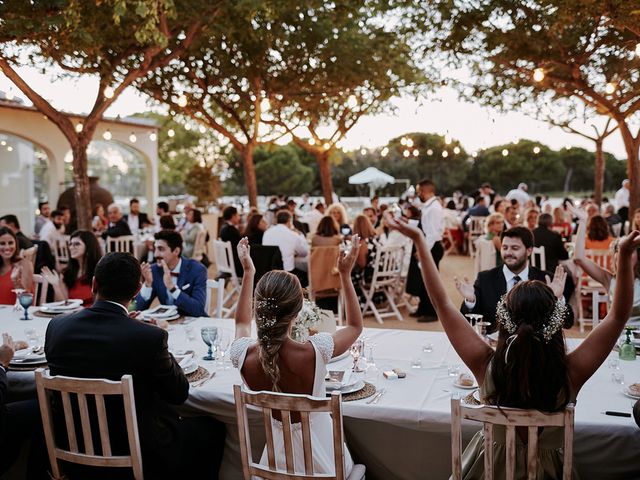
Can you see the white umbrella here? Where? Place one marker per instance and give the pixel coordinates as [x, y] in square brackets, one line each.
[373, 177]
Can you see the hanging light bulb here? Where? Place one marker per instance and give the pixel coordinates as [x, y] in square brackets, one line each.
[3, 142]
[406, 153]
[153, 136]
[182, 101]
[107, 135]
[536, 150]
[447, 139]
[9, 95]
[171, 133]
[312, 141]
[384, 152]
[474, 154]
[202, 129]
[352, 102]
[456, 150]
[445, 154]
[416, 152]
[265, 105]
[79, 127]
[9, 148]
[326, 146]
[505, 152]
[429, 152]
[403, 141]
[610, 88]
[409, 142]
[516, 141]
[363, 151]
[538, 74]
[108, 92]
[187, 127]
[133, 138]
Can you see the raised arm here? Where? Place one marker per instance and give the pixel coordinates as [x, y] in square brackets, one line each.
[344, 338]
[473, 351]
[596, 272]
[590, 354]
[244, 311]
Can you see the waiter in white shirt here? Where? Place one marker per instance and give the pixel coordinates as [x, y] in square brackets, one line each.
[293, 245]
[432, 222]
[622, 200]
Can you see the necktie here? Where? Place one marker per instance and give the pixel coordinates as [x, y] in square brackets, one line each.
[175, 274]
[516, 279]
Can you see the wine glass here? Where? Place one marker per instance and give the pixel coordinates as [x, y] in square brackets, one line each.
[356, 352]
[222, 345]
[17, 291]
[26, 299]
[209, 335]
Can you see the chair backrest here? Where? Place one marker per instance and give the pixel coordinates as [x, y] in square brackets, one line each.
[77, 391]
[265, 258]
[388, 264]
[200, 245]
[299, 405]
[61, 249]
[218, 287]
[602, 258]
[600, 307]
[123, 244]
[616, 229]
[538, 258]
[41, 289]
[476, 226]
[224, 258]
[323, 270]
[510, 418]
[30, 254]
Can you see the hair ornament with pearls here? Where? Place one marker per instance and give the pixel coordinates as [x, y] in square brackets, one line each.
[548, 330]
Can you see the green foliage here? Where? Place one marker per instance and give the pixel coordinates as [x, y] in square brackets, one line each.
[203, 183]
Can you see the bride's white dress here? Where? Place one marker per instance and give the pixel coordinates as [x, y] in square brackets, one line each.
[321, 424]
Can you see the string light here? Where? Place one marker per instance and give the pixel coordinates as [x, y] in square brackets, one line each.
[403, 141]
[505, 152]
[536, 150]
[187, 127]
[406, 153]
[79, 127]
[9, 95]
[312, 141]
[416, 152]
[107, 135]
[474, 154]
[171, 133]
[133, 138]
[363, 151]
[447, 139]
[516, 141]
[265, 105]
[384, 152]
[445, 154]
[326, 146]
[182, 101]
[429, 152]
[9, 148]
[153, 137]
[409, 142]
[456, 150]
[108, 92]
[610, 88]
[352, 102]
[3, 143]
[202, 129]
[538, 74]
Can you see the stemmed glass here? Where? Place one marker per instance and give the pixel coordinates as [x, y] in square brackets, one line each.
[18, 292]
[222, 345]
[26, 299]
[209, 335]
[356, 352]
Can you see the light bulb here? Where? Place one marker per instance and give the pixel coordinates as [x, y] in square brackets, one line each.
[363, 151]
[447, 139]
[9, 148]
[416, 152]
[312, 141]
[326, 146]
[9, 95]
[171, 133]
[107, 135]
[474, 154]
[202, 129]
[352, 101]
[3, 142]
[187, 127]
[610, 88]
[108, 92]
[182, 101]
[384, 152]
[536, 150]
[79, 127]
[445, 154]
[456, 150]
[133, 138]
[406, 153]
[265, 105]
[409, 143]
[403, 141]
[538, 74]
[429, 152]
[505, 152]
[153, 137]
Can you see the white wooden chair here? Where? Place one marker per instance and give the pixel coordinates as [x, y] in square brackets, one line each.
[485, 256]
[41, 287]
[387, 272]
[123, 244]
[475, 230]
[598, 297]
[324, 280]
[61, 252]
[301, 406]
[216, 286]
[200, 245]
[77, 391]
[510, 418]
[602, 258]
[225, 265]
[538, 258]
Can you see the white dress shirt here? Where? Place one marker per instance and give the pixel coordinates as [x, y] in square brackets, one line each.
[145, 292]
[134, 222]
[432, 221]
[291, 244]
[312, 218]
[509, 277]
[50, 234]
[622, 198]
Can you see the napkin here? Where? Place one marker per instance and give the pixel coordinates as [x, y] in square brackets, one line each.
[337, 379]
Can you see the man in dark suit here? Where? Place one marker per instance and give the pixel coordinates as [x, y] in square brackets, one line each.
[136, 219]
[482, 297]
[174, 280]
[479, 209]
[103, 341]
[118, 226]
[554, 250]
[229, 233]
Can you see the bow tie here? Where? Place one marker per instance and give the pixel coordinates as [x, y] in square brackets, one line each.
[175, 274]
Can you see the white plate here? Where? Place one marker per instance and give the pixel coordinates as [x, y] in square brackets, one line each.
[351, 380]
[466, 387]
[627, 392]
[476, 396]
[342, 356]
[190, 367]
[148, 318]
[62, 306]
[161, 312]
[29, 359]
[359, 385]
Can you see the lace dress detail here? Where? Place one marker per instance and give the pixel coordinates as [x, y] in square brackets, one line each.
[324, 345]
[238, 350]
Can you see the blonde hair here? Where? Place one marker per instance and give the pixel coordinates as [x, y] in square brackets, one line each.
[343, 212]
[492, 218]
[362, 226]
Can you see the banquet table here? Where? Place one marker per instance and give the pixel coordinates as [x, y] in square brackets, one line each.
[407, 434]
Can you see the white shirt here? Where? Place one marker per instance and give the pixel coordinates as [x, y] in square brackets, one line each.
[134, 222]
[120, 305]
[432, 221]
[145, 292]
[509, 278]
[312, 218]
[50, 234]
[520, 195]
[291, 244]
[622, 198]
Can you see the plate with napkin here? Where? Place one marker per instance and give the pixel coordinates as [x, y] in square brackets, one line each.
[161, 312]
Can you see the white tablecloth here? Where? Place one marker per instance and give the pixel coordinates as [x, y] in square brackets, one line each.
[407, 434]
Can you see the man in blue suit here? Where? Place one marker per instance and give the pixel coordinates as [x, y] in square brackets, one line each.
[174, 280]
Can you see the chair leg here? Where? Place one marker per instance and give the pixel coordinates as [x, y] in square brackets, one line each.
[392, 305]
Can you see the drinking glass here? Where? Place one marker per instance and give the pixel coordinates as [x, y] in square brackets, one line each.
[222, 345]
[18, 292]
[453, 370]
[617, 377]
[189, 333]
[209, 335]
[356, 352]
[613, 363]
[427, 347]
[26, 299]
[32, 336]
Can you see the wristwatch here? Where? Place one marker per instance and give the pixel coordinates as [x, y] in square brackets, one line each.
[173, 289]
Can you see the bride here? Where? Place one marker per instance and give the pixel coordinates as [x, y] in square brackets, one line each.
[277, 363]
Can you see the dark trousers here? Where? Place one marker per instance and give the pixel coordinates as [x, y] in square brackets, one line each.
[415, 285]
[624, 214]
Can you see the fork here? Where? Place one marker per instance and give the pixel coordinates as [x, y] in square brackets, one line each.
[199, 383]
[377, 399]
[376, 396]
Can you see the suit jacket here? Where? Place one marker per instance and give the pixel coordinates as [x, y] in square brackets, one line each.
[229, 233]
[192, 283]
[143, 219]
[491, 285]
[554, 250]
[119, 229]
[102, 341]
[4, 392]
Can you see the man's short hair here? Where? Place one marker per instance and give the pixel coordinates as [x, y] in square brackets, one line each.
[367, 209]
[57, 213]
[116, 206]
[291, 202]
[11, 219]
[283, 216]
[62, 208]
[164, 206]
[545, 220]
[425, 182]
[485, 185]
[133, 200]
[522, 233]
[117, 277]
[173, 239]
[319, 206]
[42, 204]
[228, 213]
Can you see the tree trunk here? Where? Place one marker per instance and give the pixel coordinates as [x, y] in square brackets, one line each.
[633, 168]
[599, 173]
[567, 180]
[250, 175]
[81, 181]
[325, 175]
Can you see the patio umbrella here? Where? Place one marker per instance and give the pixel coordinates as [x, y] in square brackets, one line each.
[373, 177]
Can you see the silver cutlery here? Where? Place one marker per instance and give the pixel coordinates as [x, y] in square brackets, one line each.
[199, 383]
[376, 396]
[382, 392]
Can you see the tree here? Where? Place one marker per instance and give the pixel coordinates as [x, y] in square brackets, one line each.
[203, 183]
[523, 52]
[116, 41]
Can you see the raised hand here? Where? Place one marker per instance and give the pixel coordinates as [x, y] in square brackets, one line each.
[348, 260]
[465, 287]
[52, 277]
[557, 284]
[166, 275]
[401, 225]
[629, 245]
[147, 276]
[579, 213]
[244, 255]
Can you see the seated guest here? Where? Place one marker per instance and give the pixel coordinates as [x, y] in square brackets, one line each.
[531, 218]
[102, 341]
[118, 226]
[136, 219]
[483, 296]
[297, 224]
[182, 222]
[15, 271]
[173, 280]
[363, 269]
[53, 230]
[313, 217]
[327, 234]
[229, 232]
[167, 223]
[480, 209]
[613, 220]
[84, 253]
[598, 235]
[190, 232]
[293, 245]
[162, 210]
[100, 221]
[560, 224]
[494, 226]
[339, 214]
[45, 214]
[11, 222]
[511, 217]
[544, 236]
[256, 226]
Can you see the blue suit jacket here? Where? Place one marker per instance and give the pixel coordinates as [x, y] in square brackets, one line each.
[192, 284]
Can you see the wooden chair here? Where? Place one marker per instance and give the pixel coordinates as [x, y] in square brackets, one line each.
[324, 279]
[510, 418]
[41, 288]
[61, 252]
[387, 270]
[598, 298]
[300, 406]
[226, 266]
[218, 287]
[123, 244]
[538, 258]
[602, 258]
[476, 230]
[77, 391]
[200, 245]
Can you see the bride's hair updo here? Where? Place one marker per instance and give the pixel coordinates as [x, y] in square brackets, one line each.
[278, 300]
